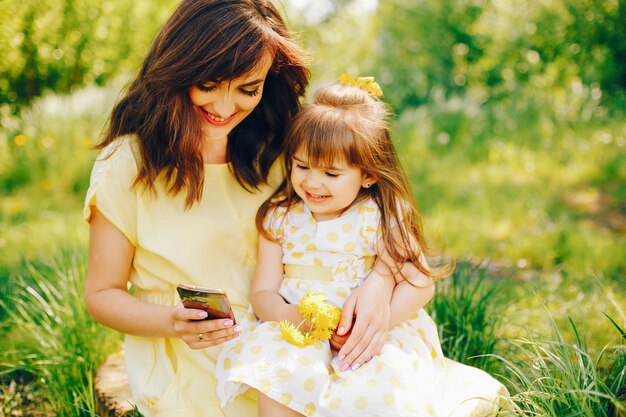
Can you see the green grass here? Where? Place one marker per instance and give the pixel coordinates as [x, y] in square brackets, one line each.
[51, 342]
[468, 315]
[520, 195]
[563, 378]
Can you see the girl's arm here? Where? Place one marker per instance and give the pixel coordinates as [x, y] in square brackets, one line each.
[108, 301]
[267, 303]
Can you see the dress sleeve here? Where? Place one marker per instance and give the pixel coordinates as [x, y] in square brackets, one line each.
[111, 188]
[371, 224]
[274, 223]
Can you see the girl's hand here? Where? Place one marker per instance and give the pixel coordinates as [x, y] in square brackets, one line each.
[337, 341]
[189, 325]
[369, 305]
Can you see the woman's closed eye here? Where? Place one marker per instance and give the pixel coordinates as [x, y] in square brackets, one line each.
[206, 88]
[301, 167]
[250, 93]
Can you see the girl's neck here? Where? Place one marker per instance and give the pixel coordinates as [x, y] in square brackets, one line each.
[321, 219]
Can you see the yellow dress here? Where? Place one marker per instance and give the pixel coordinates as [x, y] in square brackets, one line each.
[409, 378]
[212, 244]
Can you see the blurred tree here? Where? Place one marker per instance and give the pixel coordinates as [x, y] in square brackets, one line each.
[424, 45]
[429, 47]
[56, 45]
[597, 34]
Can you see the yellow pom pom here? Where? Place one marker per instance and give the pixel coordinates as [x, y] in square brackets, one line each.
[310, 303]
[320, 334]
[291, 333]
[324, 318]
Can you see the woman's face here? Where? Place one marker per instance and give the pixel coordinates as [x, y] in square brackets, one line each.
[222, 106]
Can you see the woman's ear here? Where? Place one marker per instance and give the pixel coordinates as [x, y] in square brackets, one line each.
[367, 180]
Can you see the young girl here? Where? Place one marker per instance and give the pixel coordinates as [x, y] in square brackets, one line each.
[345, 209]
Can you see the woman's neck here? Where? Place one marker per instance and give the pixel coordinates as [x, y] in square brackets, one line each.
[214, 150]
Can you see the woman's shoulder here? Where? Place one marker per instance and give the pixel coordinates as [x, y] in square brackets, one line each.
[124, 149]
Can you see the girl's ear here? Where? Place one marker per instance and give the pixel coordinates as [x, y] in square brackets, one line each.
[367, 180]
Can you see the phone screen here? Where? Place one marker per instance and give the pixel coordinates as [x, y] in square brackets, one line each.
[213, 301]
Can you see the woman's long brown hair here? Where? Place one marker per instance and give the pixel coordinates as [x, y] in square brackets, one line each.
[210, 40]
[345, 123]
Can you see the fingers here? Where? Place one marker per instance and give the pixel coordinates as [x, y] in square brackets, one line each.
[207, 339]
[337, 341]
[183, 314]
[347, 315]
[365, 341]
[198, 333]
[363, 351]
[368, 352]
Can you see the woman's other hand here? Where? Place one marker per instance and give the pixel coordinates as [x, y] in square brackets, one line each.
[189, 325]
[369, 306]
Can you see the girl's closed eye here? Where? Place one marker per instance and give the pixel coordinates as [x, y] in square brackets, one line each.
[332, 174]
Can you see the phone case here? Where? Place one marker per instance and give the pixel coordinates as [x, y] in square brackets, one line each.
[213, 301]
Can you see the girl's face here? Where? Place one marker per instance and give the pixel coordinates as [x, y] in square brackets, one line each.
[327, 191]
[222, 106]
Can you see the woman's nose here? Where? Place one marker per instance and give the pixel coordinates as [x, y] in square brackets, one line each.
[224, 104]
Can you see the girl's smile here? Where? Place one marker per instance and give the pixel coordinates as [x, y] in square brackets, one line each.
[327, 192]
[316, 198]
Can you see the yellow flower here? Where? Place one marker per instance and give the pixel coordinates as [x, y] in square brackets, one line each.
[364, 83]
[291, 333]
[320, 334]
[324, 318]
[327, 317]
[310, 304]
[20, 140]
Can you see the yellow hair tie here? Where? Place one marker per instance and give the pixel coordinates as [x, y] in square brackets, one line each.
[364, 83]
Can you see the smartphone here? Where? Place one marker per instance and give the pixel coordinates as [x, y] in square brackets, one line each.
[213, 301]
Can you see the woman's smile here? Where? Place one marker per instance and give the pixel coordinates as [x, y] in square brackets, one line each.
[216, 120]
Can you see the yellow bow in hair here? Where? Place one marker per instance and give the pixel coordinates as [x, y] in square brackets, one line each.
[364, 83]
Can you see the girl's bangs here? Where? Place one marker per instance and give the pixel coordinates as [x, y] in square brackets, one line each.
[324, 146]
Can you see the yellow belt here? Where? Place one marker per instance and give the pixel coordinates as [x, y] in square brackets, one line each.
[320, 273]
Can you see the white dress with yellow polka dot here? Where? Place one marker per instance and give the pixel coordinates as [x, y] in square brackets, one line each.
[332, 257]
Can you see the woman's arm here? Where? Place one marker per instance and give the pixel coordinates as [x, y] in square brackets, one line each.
[369, 307]
[385, 300]
[108, 300]
[267, 303]
[407, 298]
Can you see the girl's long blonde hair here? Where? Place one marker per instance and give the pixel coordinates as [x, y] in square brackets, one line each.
[345, 123]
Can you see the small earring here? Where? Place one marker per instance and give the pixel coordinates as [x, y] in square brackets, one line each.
[367, 185]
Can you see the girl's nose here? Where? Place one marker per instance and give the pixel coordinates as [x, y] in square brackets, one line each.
[312, 180]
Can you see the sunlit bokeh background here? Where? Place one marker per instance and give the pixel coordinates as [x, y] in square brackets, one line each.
[509, 119]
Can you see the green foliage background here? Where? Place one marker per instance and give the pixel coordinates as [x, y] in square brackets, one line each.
[509, 121]
[56, 46]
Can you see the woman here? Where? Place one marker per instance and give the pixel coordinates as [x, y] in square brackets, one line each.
[191, 151]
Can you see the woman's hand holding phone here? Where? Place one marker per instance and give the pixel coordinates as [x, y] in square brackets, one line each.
[204, 318]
